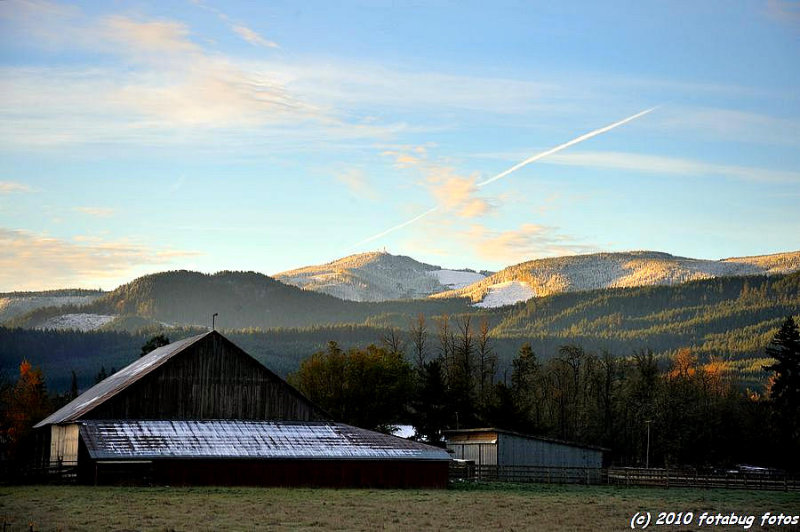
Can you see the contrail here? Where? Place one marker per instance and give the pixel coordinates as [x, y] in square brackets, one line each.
[396, 227]
[526, 162]
[564, 146]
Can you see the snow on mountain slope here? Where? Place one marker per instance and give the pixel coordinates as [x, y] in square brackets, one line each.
[508, 293]
[78, 322]
[455, 279]
[16, 304]
[377, 276]
[609, 270]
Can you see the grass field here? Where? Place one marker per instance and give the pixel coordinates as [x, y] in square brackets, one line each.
[487, 507]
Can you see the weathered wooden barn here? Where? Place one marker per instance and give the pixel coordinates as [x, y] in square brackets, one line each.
[202, 411]
[506, 454]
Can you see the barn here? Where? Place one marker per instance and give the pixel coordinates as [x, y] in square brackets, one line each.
[202, 411]
[507, 455]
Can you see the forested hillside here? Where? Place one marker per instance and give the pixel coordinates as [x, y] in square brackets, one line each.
[576, 273]
[242, 299]
[732, 318]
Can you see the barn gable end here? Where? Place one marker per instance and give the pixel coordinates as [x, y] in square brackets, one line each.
[203, 377]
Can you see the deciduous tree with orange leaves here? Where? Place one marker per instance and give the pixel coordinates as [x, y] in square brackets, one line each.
[23, 405]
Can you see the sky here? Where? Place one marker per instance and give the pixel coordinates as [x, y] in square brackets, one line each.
[138, 137]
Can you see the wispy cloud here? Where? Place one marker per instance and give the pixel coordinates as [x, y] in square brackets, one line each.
[32, 260]
[253, 37]
[654, 164]
[719, 124]
[98, 212]
[784, 10]
[245, 32]
[166, 81]
[529, 241]
[357, 183]
[10, 187]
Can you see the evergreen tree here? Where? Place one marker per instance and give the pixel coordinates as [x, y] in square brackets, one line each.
[785, 389]
[525, 377]
[154, 343]
[785, 349]
[101, 375]
[73, 388]
[430, 402]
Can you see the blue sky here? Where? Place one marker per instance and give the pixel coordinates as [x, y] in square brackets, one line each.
[142, 136]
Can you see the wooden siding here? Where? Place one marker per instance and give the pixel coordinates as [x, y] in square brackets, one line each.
[63, 444]
[316, 473]
[211, 379]
[482, 453]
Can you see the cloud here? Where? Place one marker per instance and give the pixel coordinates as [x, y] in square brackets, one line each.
[253, 37]
[98, 212]
[654, 164]
[143, 37]
[29, 260]
[357, 183]
[452, 192]
[246, 33]
[457, 194]
[710, 123]
[529, 241]
[10, 187]
[161, 80]
[784, 10]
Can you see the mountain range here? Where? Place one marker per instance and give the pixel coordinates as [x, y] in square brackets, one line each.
[379, 276]
[711, 307]
[577, 273]
[374, 287]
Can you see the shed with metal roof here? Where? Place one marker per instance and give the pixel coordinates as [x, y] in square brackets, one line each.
[503, 454]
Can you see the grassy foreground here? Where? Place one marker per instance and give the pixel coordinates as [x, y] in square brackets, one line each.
[491, 507]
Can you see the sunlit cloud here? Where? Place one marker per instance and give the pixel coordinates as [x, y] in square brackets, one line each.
[31, 260]
[98, 212]
[166, 80]
[10, 187]
[457, 194]
[529, 241]
[453, 193]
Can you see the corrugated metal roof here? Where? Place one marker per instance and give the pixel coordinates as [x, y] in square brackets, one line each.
[529, 436]
[148, 440]
[117, 382]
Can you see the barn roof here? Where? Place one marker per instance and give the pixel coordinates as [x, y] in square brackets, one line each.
[117, 382]
[225, 439]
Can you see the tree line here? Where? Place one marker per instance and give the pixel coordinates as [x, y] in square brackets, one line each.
[443, 375]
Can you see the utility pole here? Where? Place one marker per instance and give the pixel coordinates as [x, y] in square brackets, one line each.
[647, 459]
[214, 321]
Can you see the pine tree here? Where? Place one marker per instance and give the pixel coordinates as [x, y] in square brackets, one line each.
[785, 390]
[154, 343]
[73, 388]
[785, 349]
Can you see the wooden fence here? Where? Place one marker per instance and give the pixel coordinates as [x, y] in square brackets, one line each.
[690, 478]
[60, 473]
[664, 478]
